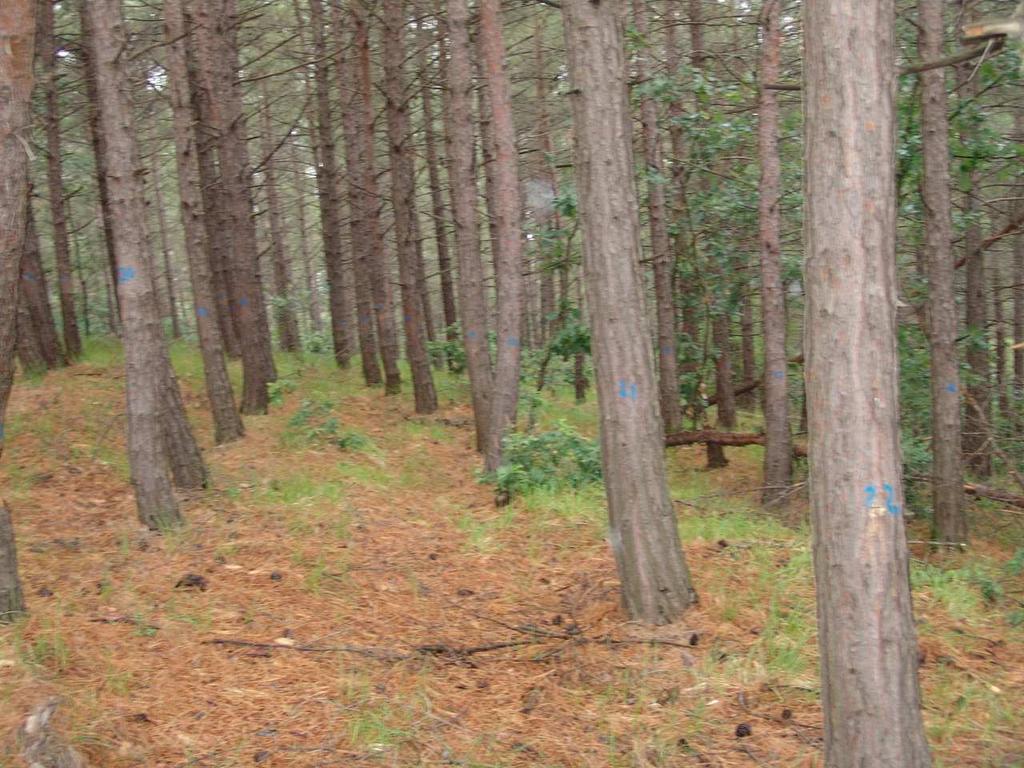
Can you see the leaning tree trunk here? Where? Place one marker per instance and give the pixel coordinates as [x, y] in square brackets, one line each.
[35, 296]
[949, 523]
[47, 46]
[661, 247]
[508, 215]
[643, 534]
[403, 194]
[462, 184]
[145, 364]
[17, 19]
[778, 453]
[869, 689]
[227, 422]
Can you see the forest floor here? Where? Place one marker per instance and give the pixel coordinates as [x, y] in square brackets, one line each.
[350, 543]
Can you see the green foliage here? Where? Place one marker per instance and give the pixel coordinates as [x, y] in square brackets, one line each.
[561, 458]
[451, 349]
[315, 423]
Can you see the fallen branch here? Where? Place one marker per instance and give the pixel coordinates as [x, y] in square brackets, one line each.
[996, 494]
[736, 439]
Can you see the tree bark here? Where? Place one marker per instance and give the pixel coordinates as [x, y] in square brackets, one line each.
[1018, 295]
[145, 361]
[35, 298]
[778, 454]
[47, 46]
[12, 599]
[376, 255]
[463, 187]
[403, 201]
[661, 250]
[949, 521]
[298, 164]
[17, 19]
[284, 309]
[165, 249]
[508, 216]
[721, 329]
[866, 637]
[217, 53]
[227, 422]
[644, 538]
[976, 450]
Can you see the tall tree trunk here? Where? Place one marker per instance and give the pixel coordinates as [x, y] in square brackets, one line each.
[999, 323]
[145, 362]
[298, 165]
[47, 46]
[35, 297]
[643, 534]
[376, 253]
[403, 200]
[949, 522]
[869, 657]
[1018, 294]
[721, 330]
[462, 184]
[977, 407]
[747, 353]
[438, 213]
[508, 216]
[549, 218]
[165, 249]
[330, 200]
[17, 19]
[227, 422]
[661, 250]
[778, 450]
[284, 308]
[217, 53]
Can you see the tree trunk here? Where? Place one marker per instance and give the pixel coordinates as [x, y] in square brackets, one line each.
[165, 249]
[227, 422]
[403, 201]
[721, 329]
[47, 47]
[778, 454]
[976, 449]
[1018, 296]
[376, 256]
[217, 53]
[643, 534]
[462, 184]
[17, 19]
[869, 657]
[298, 165]
[12, 600]
[284, 308]
[439, 214]
[508, 216]
[145, 365]
[549, 218]
[35, 297]
[661, 250]
[949, 521]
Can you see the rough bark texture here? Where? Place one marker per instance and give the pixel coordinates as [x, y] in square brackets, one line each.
[12, 600]
[508, 215]
[145, 365]
[721, 330]
[1018, 294]
[462, 183]
[47, 47]
[34, 303]
[778, 455]
[643, 534]
[403, 201]
[215, 23]
[226, 419]
[869, 692]
[284, 308]
[376, 254]
[661, 248]
[949, 521]
[165, 250]
[17, 19]
[977, 452]
[438, 211]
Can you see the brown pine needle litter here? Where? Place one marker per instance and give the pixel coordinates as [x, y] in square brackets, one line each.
[372, 607]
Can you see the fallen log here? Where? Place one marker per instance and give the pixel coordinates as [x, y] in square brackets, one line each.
[996, 494]
[735, 439]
